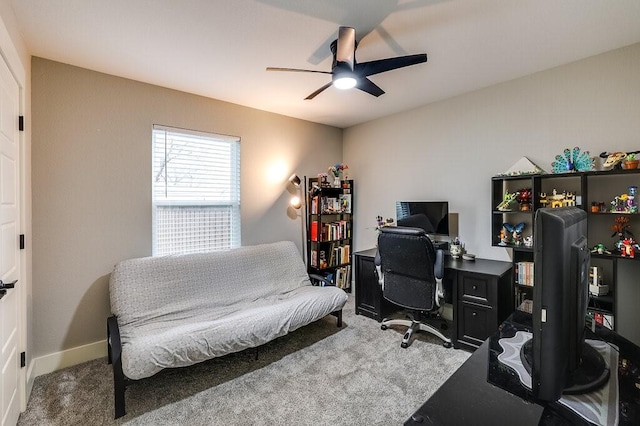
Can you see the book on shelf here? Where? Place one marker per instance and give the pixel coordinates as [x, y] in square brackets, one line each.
[314, 230]
[343, 277]
[338, 230]
[524, 273]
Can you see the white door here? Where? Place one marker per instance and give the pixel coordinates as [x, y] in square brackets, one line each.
[9, 248]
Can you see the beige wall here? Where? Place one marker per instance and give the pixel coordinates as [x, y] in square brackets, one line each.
[91, 165]
[92, 184]
[449, 150]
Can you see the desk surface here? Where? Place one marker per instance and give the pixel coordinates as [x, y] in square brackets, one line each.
[478, 266]
[467, 398]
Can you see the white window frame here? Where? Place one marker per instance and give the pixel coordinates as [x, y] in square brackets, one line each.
[185, 214]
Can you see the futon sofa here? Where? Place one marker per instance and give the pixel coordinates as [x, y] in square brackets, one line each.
[175, 311]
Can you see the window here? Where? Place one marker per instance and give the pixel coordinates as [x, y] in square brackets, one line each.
[196, 191]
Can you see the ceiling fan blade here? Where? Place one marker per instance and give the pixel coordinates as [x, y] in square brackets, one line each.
[382, 65]
[369, 86]
[317, 92]
[346, 48]
[296, 70]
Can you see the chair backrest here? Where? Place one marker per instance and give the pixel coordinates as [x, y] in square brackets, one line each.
[408, 263]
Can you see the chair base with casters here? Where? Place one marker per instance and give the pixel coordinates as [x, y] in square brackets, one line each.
[414, 325]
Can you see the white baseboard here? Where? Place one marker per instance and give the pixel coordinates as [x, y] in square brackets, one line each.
[58, 360]
[30, 379]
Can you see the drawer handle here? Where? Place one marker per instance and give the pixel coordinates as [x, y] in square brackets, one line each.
[475, 314]
[475, 287]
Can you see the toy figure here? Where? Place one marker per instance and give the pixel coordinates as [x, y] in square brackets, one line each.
[528, 241]
[569, 199]
[632, 207]
[524, 199]
[516, 232]
[627, 248]
[504, 240]
[557, 200]
[505, 205]
[621, 228]
[543, 199]
[600, 249]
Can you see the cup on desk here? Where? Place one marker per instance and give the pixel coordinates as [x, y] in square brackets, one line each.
[455, 250]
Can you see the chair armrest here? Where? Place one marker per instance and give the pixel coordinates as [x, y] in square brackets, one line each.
[438, 268]
[377, 261]
[320, 280]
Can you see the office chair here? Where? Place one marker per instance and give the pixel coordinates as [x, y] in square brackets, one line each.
[410, 272]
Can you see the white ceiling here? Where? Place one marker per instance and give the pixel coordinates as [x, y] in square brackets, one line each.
[220, 48]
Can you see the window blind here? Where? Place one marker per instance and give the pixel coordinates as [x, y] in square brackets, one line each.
[196, 191]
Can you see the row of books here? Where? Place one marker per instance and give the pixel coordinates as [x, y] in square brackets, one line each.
[337, 230]
[524, 273]
[332, 255]
[328, 205]
[341, 278]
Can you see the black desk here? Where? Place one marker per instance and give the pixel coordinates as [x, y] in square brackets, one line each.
[467, 397]
[480, 291]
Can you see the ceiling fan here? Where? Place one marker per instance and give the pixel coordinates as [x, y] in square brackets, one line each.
[347, 73]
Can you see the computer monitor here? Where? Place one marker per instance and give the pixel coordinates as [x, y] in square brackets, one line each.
[557, 356]
[432, 216]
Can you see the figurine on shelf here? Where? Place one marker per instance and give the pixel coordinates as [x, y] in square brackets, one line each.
[621, 228]
[600, 249]
[504, 239]
[543, 199]
[528, 241]
[556, 200]
[508, 199]
[524, 199]
[569, 199]
[627, 248]
[516, 232]
[632, 207]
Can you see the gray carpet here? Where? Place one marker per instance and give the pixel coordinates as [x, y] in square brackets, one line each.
[319, 374]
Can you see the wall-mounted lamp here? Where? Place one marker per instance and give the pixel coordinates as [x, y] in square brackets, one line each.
[295, 202]
[295, 180]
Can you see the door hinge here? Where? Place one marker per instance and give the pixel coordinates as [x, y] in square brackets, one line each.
[21, 241]
[21, 123]
[23, 359]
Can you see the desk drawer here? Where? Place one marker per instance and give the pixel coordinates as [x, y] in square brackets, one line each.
[475, 323]
[476, 288]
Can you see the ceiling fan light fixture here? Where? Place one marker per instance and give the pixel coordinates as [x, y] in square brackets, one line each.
[345, 82]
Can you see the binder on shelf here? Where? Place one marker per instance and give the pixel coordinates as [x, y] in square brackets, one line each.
[602, 318]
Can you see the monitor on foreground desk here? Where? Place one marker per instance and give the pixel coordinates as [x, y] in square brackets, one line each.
[476, 393]
[617, 402]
